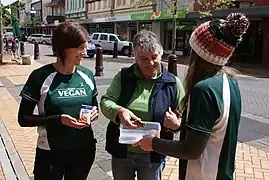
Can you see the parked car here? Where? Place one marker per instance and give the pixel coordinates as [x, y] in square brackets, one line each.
[35, 38]
[46, 39]
[91, 49]
[106, 41]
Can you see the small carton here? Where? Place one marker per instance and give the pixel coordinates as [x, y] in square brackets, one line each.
[85, 114]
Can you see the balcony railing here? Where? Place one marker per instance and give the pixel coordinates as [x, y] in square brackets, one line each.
[51, 19]
[57, 1]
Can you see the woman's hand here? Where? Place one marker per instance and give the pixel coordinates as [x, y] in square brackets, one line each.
[126, 117]
[94, 114]
[72, 122]
[171, 120]
[146, 143]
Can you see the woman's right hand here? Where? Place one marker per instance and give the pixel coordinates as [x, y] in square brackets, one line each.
[126, 117]
[72, 122]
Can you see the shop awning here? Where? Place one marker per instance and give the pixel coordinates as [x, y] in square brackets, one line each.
[252, 11]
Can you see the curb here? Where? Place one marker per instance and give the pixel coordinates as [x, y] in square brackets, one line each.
[13, 167]
[255, 117]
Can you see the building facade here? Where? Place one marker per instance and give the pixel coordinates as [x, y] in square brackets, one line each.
[53, 14]
[15, 10]
[115, 16]
[75, 10]
[36, 11]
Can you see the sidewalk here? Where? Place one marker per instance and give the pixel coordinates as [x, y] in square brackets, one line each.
[251, 163]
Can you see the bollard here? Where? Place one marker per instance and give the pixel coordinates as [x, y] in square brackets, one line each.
[115, 50]
[99, 62]
[22, 49]
[7, 44]
[172, 64]
[36, 51]
[130, 50]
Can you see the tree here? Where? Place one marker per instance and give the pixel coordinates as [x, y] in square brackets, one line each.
[206, 7]
[6, 16]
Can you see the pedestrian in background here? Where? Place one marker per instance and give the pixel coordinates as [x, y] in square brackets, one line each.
[66, 145]
[210, 121]
[147, 91]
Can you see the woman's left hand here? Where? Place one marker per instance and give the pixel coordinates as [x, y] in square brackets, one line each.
[146, 143]
[94, 114]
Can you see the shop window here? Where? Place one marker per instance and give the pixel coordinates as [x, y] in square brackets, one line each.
[182, 39]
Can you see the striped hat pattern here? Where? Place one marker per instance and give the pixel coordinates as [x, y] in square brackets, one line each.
[214, 49]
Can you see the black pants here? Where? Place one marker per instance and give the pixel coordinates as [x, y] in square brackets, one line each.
[72, 165]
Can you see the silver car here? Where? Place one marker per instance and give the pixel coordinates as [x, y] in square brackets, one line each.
[46, 39]
[35, 38]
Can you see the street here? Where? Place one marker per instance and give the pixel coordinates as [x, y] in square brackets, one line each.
[254, 126]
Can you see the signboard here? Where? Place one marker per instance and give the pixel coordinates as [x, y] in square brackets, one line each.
[156, 16]
[112, 19]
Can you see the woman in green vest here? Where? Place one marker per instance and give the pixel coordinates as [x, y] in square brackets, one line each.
[137, 93]
[66, 95]
[210, 121]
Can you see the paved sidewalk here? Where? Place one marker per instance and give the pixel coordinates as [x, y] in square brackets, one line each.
[251, 163]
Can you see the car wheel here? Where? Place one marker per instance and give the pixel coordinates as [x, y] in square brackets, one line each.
[125, 51]
[44, 42]
[91, 55]
[33, 41]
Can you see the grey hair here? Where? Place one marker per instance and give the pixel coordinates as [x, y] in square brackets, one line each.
[147, 41]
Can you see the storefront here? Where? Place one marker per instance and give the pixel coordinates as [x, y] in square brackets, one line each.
[115, 24]
[184, 30]
[145, 26]
[101, 28]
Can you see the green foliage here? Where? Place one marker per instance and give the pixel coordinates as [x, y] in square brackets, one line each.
[31, 23]
[209, 5]
[6, 16]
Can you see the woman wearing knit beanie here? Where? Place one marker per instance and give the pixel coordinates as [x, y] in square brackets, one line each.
[209, 127]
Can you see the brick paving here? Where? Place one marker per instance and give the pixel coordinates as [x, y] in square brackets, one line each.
[251, 163]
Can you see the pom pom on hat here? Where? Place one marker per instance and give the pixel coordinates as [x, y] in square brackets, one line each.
[238, 23]
[215, 41]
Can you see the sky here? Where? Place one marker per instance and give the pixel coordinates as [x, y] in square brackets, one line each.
[6, 2]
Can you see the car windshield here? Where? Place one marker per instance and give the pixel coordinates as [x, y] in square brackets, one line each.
[121, 38]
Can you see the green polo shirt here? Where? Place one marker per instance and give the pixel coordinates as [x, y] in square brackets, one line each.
[55, 94]
[211, 114]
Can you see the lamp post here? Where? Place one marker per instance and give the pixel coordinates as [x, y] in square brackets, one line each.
[32, 12]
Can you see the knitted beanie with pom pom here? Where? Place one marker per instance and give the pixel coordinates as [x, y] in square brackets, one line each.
[216, 40]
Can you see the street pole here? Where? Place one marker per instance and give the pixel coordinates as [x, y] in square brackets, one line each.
[174, 36]
[1, 35]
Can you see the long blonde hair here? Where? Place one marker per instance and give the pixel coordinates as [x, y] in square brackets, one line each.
[198, 70]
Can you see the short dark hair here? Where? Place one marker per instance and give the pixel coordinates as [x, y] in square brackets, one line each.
[68, 35]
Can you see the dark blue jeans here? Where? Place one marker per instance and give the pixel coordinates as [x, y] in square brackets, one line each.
[124, 169]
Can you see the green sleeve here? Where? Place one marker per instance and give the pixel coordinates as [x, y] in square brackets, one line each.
[204, 110]
[108, 102]
[180, 93]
